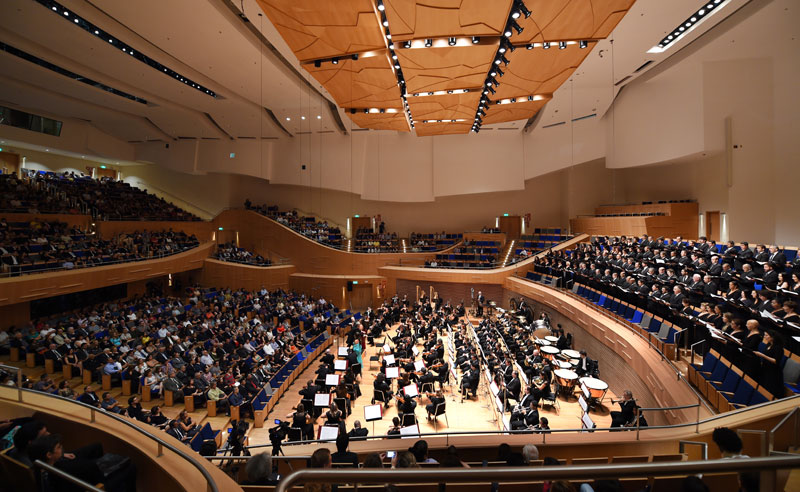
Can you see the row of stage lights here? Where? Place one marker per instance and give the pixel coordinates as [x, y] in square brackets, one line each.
[120, 45]
[518, 9]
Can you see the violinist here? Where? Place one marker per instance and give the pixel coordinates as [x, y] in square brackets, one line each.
[381, 384]
[405, 405]
[436, 399]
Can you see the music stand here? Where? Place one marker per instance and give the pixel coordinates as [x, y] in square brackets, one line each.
[328, 432]
[340, 365]
[389, 359]
[411, 390]
[409, 432]
[419, 365]
[373, 413]
[342, 351]
[322, 400]
[331, 380]
[392, 372]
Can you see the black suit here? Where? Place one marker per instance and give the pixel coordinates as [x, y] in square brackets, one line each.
[514, 387]
[625, 416]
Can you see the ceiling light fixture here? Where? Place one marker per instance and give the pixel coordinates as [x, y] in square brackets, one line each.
[451, 41]
[428, 43]
[562, 45]
[380, 6]
[476, 39]
[584, 44]
[520, 6]
[688, 25]
[546, 45]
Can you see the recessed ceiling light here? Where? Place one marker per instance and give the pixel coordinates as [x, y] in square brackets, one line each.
[288, 119]
[302, 117]
[319, 117]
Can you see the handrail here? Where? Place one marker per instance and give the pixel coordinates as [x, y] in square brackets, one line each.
[212, 485]
[66, 476]
[527, 474]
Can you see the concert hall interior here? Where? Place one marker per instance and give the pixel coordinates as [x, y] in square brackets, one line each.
[399, 245]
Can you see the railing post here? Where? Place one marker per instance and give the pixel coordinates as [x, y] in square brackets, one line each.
[91, 415]
[697, 420]
[19, 384]
[160, 451]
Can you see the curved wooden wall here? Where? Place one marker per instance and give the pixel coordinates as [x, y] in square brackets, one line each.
[202, 229]
[225, 274]
[81, 221]
[30, 287]
[260, 234]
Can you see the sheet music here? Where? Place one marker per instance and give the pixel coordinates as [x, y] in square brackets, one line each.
[494, 388]
[411, 390]
[332, 380]
[587, 421]
[409, 432]
[389, 359]
[392, 372]
[322, 400]
[583, 404]
[415, 351]
[340, 365]
[328, 432]
[373, 412]
[343, 351]
[386, 348]
[419, 365]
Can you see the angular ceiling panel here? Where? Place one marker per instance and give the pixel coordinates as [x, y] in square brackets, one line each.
[437, 48]
[316, 29]
[444, 107]
[499, 113]
[437, 69]
[555, 20]
[381, 121]
[368, 82]
[539, 71]
[432, 129]
[444, 18]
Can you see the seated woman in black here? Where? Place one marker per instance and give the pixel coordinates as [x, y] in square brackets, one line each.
[333, 416]
[302, 421]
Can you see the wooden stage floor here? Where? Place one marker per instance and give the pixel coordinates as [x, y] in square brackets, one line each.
[466, 415]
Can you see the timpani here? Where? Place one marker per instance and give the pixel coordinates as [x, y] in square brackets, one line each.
[551, 339]
[597, 387]
[572, 354]
[566, 380]
[548, 352]
[541, 341]
[562, 364]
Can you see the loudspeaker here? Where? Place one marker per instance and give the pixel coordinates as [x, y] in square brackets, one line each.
[349, 286]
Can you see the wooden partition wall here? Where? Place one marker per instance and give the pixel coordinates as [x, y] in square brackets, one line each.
[202, 229]
[16, 292]
[82, 221]
[680, 219]
[263, 235]
[225, 274]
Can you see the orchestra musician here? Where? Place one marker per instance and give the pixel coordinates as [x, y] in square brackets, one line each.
[381, 384]
[626, 414]
[586, 366]
[436, 399]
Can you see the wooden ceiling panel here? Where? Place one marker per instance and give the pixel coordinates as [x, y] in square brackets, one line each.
[316, 29]
[381, 121]
[420, 19]
[433, 129]
[368, 82]
[444, 107]
[438, 69]
[553, 20]
[500, 113]
[539, 71]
